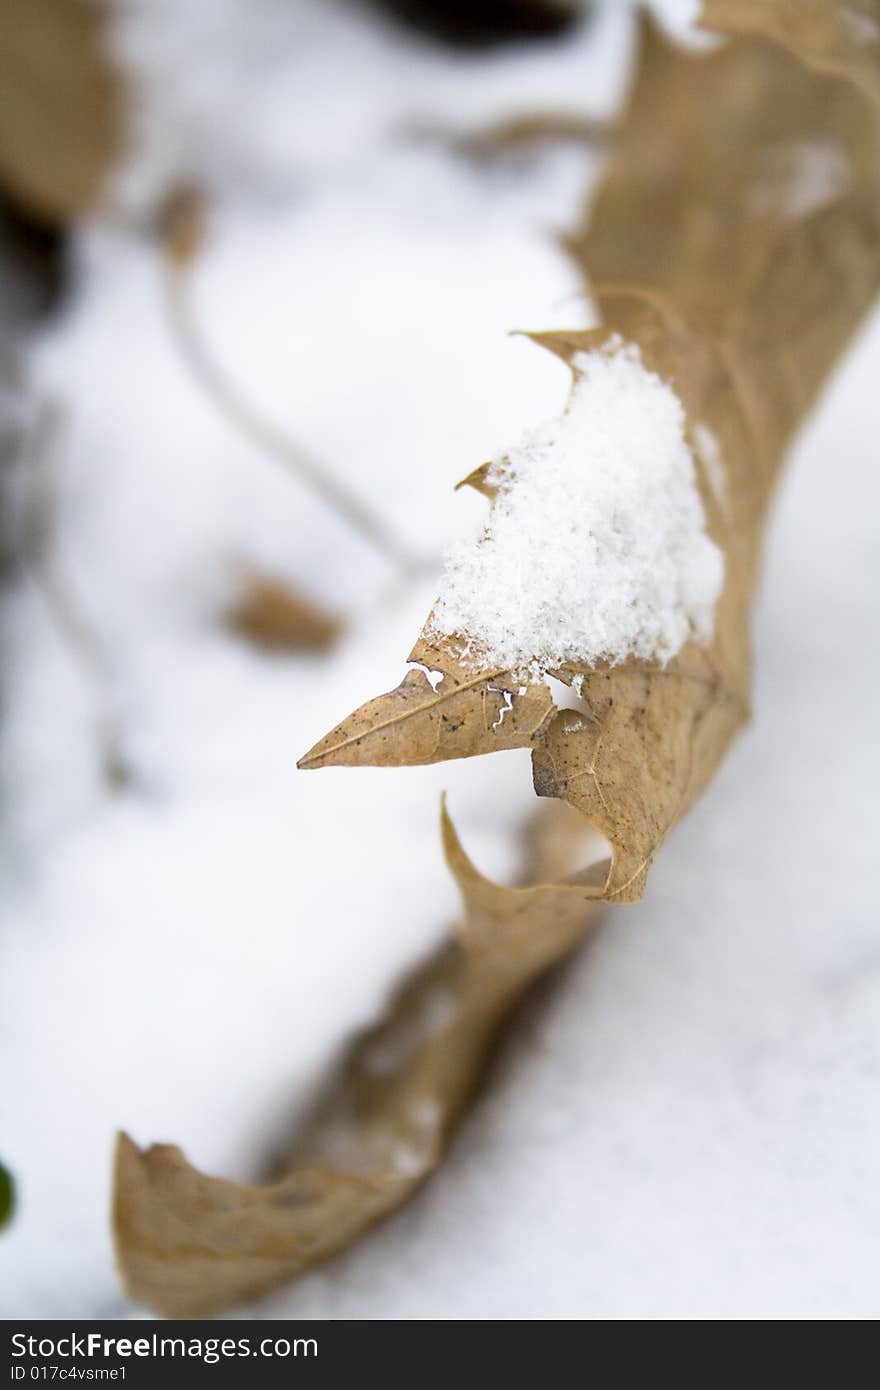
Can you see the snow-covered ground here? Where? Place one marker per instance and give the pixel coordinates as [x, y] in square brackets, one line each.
[687, 1124]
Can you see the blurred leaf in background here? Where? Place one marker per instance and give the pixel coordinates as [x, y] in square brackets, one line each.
[58, 105]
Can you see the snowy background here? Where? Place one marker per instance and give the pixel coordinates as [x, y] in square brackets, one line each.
[686, 1123]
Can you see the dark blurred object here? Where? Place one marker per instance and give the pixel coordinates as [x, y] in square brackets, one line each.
[32, 264]
[7, 1199]
[484, 23]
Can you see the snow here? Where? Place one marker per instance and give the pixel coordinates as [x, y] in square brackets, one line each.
[710, 456]
[596, 545]
[685, 1123]
[285, 93]
[183, 956]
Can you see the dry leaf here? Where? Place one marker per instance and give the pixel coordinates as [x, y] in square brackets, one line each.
[455, 716]
[838, 36]
[269, 613]
[58, 105]
[737, 235]
[741, 284]
[188, 1244]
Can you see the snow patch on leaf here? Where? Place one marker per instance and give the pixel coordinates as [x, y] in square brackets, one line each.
[596, 546]
[799, 177]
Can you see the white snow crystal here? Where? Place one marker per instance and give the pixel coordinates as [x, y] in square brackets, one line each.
[710, 456]
[596, 546]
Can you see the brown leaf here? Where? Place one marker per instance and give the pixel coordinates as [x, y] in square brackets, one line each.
[837, 36]
[741, 268]
[188, 1244]
[269, 613]
[727, 165]
[58, 105]
[740, 287]
[457, 716]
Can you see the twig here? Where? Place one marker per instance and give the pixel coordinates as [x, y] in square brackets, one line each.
[295, 459]
[76, 632]
[525, 134]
